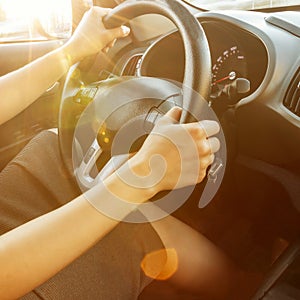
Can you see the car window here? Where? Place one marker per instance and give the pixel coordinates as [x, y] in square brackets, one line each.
[23, 20]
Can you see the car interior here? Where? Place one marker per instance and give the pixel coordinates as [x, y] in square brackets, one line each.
[249, 73]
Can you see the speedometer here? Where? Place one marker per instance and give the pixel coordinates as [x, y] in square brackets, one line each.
[230, 65]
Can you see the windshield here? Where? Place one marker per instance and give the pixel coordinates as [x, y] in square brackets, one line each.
[242, 4]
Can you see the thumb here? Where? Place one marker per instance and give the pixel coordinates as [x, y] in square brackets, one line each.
[172, 116]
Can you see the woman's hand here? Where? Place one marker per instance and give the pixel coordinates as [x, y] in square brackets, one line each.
[174, 155]
[91, 36]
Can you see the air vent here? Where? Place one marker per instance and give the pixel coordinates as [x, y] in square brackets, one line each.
[292, 97]
[132, 65]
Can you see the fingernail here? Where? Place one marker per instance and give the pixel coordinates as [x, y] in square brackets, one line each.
[125, 30]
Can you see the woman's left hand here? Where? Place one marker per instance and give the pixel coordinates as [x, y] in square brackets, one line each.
[91, 36]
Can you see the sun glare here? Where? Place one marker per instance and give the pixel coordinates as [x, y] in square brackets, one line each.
[16, 9]
[54, 15]
[31, 9]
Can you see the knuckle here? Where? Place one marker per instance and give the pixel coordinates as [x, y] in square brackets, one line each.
[204, 147]
[92, 10]
[193, 131]
[203, 125]
[201, 176]
[204, 163]
[196, 132]
[201, 132]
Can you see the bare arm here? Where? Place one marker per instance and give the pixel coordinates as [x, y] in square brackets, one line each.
[35, 251]
[22, 87]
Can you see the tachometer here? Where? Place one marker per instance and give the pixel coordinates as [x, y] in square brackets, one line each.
[230, 65]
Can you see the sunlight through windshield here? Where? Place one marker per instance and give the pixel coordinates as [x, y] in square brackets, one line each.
[18, 18]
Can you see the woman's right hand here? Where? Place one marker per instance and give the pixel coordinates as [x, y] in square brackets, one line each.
[176, 155]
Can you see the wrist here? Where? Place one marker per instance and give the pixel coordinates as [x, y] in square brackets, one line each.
[130, 182]
[69, 55]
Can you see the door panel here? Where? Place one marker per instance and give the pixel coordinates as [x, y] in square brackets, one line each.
[41, 115]
[15, 55]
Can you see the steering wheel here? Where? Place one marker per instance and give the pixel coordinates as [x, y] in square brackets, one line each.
[118, 100]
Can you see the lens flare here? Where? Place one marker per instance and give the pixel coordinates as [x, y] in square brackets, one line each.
[160, 264]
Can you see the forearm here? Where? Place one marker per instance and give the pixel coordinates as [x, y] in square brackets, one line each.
[35, 251]
[22, 87]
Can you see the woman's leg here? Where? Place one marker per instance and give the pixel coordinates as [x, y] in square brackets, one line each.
[196, 263]
[34, 182]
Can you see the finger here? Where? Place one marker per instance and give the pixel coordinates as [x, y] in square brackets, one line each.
[208, 146]
[111, 44]
[211, 159]
[210, 127]
[172, 116]
[201, 175]
[119, 32]
[99, 11]
[204, 147]
[206, 162]
[105, 50]
[214, 144]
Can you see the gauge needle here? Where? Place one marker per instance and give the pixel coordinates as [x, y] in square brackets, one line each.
[222, 79]
[231, 76]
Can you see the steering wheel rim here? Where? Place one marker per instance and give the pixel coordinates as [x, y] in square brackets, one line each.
[197, 71]
[197, 75]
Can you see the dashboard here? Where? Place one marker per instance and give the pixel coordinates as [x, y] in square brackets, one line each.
[261, 49]
[250, 46]
[262, 123]
[235, 53]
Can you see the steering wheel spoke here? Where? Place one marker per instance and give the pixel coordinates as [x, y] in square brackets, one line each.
[87, 165]
[88, 174]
